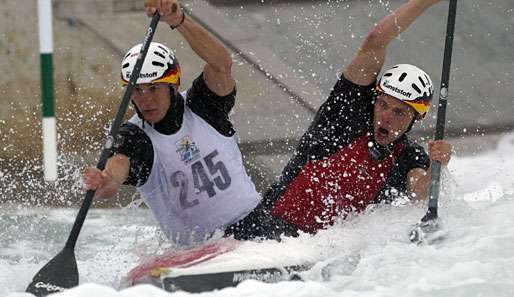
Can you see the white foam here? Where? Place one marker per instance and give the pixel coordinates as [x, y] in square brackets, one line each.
[476, 258]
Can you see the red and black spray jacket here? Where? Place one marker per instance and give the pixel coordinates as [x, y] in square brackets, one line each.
[332, 171]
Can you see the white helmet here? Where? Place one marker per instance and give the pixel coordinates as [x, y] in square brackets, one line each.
[160, 65]
[408, 84]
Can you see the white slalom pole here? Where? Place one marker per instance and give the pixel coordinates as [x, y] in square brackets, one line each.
[47, 90]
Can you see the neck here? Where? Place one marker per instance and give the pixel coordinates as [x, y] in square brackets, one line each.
[379, 151]
[172, 120]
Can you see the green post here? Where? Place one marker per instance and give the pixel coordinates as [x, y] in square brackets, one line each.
[47, 84]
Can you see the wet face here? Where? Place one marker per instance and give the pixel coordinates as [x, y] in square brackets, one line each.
[152, 100]
[392, 118]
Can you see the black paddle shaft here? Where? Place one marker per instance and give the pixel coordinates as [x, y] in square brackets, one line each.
[441, 111]
[107, 147]
[61, 272]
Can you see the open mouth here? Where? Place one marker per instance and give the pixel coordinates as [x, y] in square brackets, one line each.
[383, 132]
[149, 110]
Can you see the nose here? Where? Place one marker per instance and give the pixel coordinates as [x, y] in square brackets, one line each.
[145, 95]
[386, 118]
[143, 101]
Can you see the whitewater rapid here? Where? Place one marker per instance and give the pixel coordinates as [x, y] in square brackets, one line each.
[370, 254]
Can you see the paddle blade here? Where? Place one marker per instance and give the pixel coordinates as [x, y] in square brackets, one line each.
[427, 232]
[59, 274]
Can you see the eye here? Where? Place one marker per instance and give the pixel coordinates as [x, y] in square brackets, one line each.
[382, 104]
[138, 90]
[399, 112]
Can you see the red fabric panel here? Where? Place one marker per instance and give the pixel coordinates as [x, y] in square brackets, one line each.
[323, 190]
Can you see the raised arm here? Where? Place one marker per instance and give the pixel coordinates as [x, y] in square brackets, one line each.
[218, 70]
[368, 62]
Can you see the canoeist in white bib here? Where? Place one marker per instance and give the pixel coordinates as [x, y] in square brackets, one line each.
[179, 150]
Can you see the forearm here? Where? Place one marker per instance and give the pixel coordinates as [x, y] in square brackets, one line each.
[418, 184]
[115, 172]
[118, 166]
[205, 45]
[218, 69]
[392, 25]
[370, 58]
[418, 179]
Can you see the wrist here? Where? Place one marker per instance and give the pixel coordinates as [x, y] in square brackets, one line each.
[175, 26]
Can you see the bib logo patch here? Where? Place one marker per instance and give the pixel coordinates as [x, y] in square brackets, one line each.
[187, 149]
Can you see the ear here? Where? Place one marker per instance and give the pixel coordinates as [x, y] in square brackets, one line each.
[173, 90]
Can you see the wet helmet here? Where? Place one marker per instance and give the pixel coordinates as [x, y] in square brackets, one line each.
[408, 84]
[160, 66]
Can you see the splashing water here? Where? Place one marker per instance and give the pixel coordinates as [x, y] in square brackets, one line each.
[367, 255]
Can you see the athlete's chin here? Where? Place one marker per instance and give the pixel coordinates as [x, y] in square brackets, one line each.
[150, 120]
[152, 117]
[383, 139]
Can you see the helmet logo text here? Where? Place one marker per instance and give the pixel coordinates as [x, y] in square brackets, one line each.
[144, 75]
[397, 90]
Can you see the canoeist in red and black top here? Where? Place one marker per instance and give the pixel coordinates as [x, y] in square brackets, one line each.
[356, 151]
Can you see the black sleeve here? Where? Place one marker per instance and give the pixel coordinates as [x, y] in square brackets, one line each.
[346, 113]
[414, 156]
[209, 106]
[347, 102]
[132, 142]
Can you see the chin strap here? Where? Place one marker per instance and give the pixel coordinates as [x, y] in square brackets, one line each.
[139, 114]
[410, 126]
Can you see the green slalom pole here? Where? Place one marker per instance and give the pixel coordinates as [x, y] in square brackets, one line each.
[47, 90]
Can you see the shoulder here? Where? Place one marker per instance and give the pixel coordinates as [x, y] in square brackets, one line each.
[130, 132]
[199, 91]
[214, 109]
[348, 105]
[132, 141]
[414, 156]
[346, 87]
[129, 128]
[347, 96]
